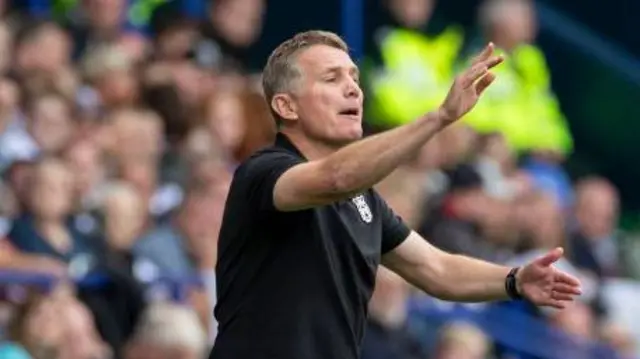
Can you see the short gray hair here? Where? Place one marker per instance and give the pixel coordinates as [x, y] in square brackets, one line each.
[280, 70]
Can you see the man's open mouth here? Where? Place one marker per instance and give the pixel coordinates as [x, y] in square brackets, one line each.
[350, 112]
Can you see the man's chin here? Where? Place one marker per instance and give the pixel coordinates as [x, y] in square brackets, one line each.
[347, 140]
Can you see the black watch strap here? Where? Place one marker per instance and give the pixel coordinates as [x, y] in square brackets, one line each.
[510, 284]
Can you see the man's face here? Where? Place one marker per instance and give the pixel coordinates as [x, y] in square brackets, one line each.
[328, 98]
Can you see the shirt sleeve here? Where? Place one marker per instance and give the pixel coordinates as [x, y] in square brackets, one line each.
[394, 230]
[261, 173]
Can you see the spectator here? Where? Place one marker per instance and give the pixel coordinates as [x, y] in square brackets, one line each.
[224, 118]
[45, 229]
[618, 338]
[57, 326]
[496, 163]
[577, 320]
[410, 65]
[168, 331]
[176, 35]
[186, 247]
[137, 146]
[39, 73]
[542, 226]
[522, 96]
[36, 38]
[125, 216]
[109, 70]
[50, 122]
[96, 23]
[86, 161]
[163, 97]
[461, 340]
[594, 246]
[387, 334]
[466, 215]
[206, 161]
[593, 241]
[232, 27]
[192, 231]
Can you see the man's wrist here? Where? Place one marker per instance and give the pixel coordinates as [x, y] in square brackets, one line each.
[438, 119]
[511, 284]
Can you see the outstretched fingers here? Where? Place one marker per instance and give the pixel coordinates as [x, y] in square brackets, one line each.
[484, 55]
[550, 258]
[479, 71]
[484, 82]
[555, 303]
[568, 279]
[473, 74]
[566, 289]
[494, 61]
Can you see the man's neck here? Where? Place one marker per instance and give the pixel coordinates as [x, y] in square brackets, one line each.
[312, 150]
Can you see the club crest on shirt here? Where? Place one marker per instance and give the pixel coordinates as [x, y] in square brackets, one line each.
[363, 208]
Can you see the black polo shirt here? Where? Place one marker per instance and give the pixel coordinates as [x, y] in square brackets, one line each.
[296, 285]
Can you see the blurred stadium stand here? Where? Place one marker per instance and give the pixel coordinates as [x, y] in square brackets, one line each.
[598, 84]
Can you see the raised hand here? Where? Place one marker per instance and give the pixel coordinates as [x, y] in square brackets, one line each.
[469, 85]
[544, 285]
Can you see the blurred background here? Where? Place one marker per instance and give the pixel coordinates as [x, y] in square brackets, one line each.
[121, 122]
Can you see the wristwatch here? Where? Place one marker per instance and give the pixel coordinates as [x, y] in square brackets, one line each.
[510, 284]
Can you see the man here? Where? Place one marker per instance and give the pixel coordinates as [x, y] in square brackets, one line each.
[303, 232]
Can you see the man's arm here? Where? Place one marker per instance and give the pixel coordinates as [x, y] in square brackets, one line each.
[361, 165]
[446, 276]
[464, 279]
[353, 168]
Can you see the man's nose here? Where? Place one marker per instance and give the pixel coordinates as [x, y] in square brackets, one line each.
[353, 89]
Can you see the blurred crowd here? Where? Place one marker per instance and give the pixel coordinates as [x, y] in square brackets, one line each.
[117, 148]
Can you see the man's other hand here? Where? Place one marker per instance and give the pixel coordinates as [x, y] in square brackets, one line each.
[469, 85]
[544, 285]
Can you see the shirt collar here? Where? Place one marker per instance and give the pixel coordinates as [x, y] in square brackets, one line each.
[283, 141]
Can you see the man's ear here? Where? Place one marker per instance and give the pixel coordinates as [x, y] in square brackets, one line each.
[284, 106]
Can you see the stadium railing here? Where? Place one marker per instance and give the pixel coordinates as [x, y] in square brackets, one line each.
[177, 287]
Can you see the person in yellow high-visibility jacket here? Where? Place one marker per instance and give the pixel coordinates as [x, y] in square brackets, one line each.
[414, 69]
[521, 104]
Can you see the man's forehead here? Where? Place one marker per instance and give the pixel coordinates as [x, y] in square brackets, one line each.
[324, 58]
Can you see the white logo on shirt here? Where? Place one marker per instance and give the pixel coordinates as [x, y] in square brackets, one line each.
[363, 208]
